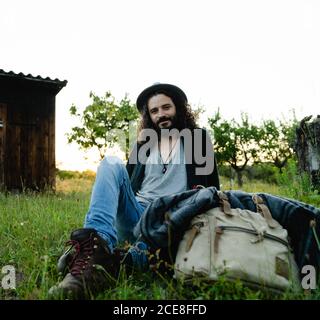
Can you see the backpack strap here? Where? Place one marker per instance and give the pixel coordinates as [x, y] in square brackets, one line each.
[224, 203]
[264, 211]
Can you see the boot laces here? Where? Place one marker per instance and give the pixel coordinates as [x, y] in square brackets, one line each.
[83, 253]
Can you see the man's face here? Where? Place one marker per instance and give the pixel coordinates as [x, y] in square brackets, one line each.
[162, 111]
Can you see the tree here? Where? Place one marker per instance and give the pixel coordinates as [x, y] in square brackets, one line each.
[277, 141]
[104, 123]
[235, 143]
[307, 147]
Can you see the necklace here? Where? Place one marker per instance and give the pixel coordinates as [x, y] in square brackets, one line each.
[164, 164]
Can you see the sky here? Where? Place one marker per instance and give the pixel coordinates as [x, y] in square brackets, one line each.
[256, 56]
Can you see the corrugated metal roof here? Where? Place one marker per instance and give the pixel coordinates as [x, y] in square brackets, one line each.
[30, 77]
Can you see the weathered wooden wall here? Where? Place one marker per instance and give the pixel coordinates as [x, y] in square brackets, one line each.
[3, 124]
[30, 141]
[27, 130]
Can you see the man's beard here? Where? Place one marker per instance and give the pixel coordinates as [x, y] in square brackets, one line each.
[173, 124]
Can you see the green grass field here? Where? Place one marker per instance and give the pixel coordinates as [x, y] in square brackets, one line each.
[34, 228]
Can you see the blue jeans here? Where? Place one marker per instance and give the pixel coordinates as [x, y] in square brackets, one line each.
[113, 210]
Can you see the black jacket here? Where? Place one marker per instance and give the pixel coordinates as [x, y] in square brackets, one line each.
[136, 171]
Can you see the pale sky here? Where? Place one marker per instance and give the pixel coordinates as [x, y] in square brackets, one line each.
[261, 57]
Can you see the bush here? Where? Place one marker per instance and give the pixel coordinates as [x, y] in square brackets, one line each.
[263, 171]
[87, 174]
[295, 184]
[67, 174]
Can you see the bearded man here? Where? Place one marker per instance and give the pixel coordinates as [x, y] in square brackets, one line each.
[171, 155]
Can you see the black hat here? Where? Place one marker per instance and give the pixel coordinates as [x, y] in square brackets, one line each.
[175, 93]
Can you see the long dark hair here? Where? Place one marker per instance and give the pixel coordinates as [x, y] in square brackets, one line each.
[184, 115]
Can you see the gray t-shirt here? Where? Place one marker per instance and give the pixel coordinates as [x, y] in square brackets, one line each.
[156, 183]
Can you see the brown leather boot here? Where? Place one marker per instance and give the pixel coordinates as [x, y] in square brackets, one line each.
[92, 268]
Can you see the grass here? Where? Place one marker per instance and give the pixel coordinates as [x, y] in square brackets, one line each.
[34, 228]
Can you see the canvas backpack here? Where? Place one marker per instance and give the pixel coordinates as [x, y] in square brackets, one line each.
[238, 244]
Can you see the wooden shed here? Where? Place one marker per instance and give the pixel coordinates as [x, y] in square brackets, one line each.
[27, 131]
